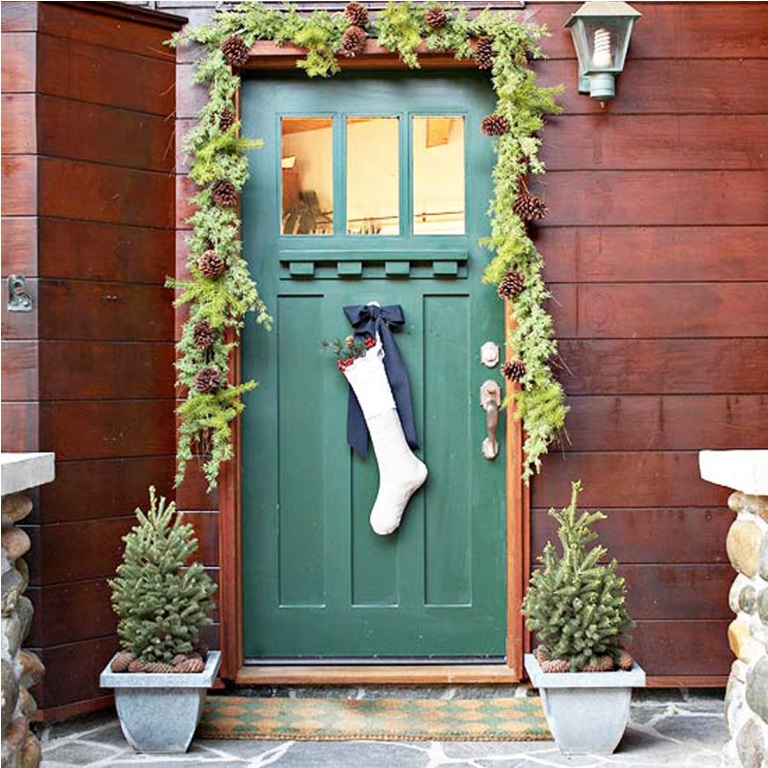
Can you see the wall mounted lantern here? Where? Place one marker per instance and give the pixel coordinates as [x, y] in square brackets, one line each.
[601, 32]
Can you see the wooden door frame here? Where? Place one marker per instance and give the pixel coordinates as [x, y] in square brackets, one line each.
[266, 56]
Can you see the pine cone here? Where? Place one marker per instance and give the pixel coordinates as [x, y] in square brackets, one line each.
[211, 265]
[514, 370]
[235, 51]
[191, 665]
[511, 285]
[179, 658]
[208, 380]
[227, 119]
[204, 334]
[158, 668]
[598, 664]
[495, 125]
[122, 661]
[436, 18]
[356, 14]
[555, 665]
[484, 53]
[529, 207]
[137, 666]
[224, 193]
[625, 662]
[540, 652]
[352, 42]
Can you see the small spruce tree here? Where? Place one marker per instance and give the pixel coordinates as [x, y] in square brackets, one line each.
[161, 601]
[575, 605]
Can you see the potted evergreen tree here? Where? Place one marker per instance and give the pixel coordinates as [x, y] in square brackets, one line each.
[577, 608]
[162, 602]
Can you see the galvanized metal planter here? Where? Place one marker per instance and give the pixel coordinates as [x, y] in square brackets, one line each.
[587, 712]
[160, 712]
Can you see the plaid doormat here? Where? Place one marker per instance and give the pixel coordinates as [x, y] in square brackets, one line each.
[304, 719]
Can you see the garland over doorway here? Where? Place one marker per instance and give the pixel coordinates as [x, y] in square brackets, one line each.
[220, 290]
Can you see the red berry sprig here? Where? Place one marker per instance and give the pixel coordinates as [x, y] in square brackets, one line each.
[350, 349]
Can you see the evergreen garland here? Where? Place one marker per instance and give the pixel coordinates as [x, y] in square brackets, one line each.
[576, 606]
[218, 153]
[161, 600]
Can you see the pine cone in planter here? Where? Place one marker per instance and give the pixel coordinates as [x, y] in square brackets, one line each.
[356, 14]
[353, 42]
[159, 668]
[235, 51]
[511, 285]
[137, 666]
[208, 380]
[484, 53]
[514, 371]
[191, 665]
[495, 125]
[626, 662]
[529, 207]
[211, 265]
[122, 661]
[540, 652]
[436, 18]
[555, 665]
[598, 664]
[224, 193]
[226, 119]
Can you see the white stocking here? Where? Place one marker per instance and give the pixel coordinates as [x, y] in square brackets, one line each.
[401, 473]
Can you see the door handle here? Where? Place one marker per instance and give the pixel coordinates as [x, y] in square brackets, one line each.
[490, 400]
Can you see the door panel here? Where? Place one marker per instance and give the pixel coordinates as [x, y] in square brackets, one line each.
[317, 582]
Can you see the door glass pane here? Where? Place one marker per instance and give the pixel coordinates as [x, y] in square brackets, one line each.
[373, 187]
[307, 176]
[438, 175]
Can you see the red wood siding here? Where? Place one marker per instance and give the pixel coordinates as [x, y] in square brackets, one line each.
[88, 215]
[655, 249]
[654, 253]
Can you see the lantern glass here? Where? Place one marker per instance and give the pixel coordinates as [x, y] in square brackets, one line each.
[607, 42]
[601, 32]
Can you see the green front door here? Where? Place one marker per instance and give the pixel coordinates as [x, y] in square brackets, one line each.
[371, 187]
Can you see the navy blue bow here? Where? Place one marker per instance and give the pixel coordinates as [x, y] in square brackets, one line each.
[369, 320]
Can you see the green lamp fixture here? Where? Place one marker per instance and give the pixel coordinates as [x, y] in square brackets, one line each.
[601, 32]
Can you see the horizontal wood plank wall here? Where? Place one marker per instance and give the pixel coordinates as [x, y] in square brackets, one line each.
[88, 165]
[654, 251]
[20, 346]
[655, 255]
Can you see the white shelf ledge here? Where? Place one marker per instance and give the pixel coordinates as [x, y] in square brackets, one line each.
[20, 471]
[745, 471]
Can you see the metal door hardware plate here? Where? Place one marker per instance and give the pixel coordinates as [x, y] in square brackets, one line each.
[489, 354]
[19, 299]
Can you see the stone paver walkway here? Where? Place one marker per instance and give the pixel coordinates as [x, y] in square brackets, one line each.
[668, 729]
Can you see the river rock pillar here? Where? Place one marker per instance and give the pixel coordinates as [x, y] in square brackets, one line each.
[746, 697]
[21, 669]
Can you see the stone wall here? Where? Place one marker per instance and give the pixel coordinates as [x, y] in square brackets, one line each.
[747, 693]
[20, 669]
